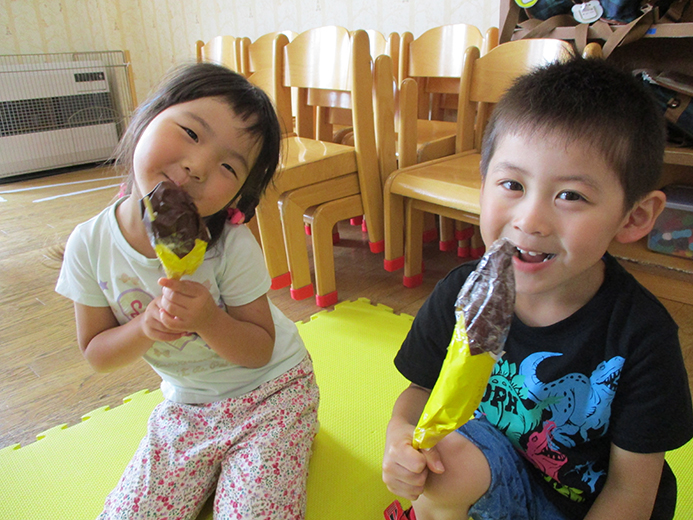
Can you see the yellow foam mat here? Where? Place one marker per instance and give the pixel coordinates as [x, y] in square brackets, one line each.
[70, 470]
[68, 473]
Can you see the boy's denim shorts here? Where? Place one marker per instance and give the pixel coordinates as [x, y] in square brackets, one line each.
[513, 494]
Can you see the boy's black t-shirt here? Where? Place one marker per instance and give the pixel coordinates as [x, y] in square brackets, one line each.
[612, 372]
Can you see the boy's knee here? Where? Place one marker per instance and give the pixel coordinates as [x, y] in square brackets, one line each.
[466, 478]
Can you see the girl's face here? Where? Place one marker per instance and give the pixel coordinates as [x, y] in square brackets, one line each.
[200, 145]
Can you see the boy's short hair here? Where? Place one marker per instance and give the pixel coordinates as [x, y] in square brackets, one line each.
[587, 100]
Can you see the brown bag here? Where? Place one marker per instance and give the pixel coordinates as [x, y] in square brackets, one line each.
[518, 25]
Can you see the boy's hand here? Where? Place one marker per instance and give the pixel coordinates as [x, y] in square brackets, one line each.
[153, 328]
[405, 469]
[186, 306]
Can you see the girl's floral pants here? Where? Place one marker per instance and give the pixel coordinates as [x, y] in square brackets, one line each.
[252, 450]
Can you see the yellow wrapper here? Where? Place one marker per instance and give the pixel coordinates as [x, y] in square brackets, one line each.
[176, 267]
[458, 391]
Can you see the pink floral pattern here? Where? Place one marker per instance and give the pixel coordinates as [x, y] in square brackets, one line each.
[252, 450]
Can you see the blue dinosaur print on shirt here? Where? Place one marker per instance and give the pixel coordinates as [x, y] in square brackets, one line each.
[555, 414]
[580, 404]
[504, 403]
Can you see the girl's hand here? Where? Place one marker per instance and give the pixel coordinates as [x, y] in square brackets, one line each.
[405, 469]
[153, 327]
[186, 306]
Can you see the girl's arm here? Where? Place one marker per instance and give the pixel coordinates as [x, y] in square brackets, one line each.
[631, 486]
[243, 335]
[107, 345]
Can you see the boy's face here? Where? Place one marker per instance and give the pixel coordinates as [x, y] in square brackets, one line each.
[560, 204]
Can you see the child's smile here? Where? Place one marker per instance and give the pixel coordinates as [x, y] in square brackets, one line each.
[200, 145]
[561, 205]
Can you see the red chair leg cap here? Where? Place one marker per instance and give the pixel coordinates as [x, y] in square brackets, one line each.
[464, 234]
[279, 282]
[412, 281]
[356, 221]
[302, 293]
[309, 230]
[430, 235]
[393, 265]
[463, 252]
[478, 252]
[326, 300]
[377, 247]
[448, 245]
[335, 239]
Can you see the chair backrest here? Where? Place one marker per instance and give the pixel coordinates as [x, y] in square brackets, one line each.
[224, 50]
[379, 44]
[384, 103]
[318, 62]
[435, 60]
[332, 69]
[260, 51]
[270, 79]
[486, 78]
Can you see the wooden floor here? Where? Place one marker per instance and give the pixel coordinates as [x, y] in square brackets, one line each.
[45, 382]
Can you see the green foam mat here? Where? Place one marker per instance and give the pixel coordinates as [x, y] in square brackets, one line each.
[70, 470]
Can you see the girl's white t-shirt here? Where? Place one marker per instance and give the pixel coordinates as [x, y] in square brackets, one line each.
[101, 269]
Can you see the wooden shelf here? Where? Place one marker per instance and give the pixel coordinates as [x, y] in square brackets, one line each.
[666, 276]
[680, 156]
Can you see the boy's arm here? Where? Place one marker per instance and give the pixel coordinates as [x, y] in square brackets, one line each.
[405, 469]
[631, 486]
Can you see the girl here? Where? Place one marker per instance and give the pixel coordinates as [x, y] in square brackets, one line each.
[240, 408]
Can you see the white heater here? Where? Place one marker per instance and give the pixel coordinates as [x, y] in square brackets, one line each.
[54, 115]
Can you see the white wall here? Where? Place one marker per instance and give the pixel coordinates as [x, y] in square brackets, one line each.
[161, 33]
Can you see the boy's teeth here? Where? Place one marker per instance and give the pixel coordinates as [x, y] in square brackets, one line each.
[533, 255]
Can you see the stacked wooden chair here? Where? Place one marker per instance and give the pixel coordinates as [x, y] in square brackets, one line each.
[450, 186]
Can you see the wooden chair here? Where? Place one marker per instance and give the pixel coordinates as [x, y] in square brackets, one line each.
[426, 124]
[260, 51]
[450, 186]
[324, 217]
[224, 50]
[321, 63]
[379, 44]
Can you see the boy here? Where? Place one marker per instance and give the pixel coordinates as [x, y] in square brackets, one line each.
[592, 389]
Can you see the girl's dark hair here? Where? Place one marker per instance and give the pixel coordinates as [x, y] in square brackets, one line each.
[249, 102]
[591, 101]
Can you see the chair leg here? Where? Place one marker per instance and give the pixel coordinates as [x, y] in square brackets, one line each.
[325, 217]
[463, 235]
[272, 240]
[394, 231]
[293, 204]
[295, 244]
[447, 234]
[413, 245]
[430, 229]
[478, 248]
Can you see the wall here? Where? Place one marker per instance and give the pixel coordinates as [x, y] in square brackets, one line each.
[161, 33]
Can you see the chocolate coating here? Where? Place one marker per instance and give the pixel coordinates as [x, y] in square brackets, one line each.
[487, 299]
[176, 222]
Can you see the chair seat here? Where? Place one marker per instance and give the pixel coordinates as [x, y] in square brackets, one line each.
[300, 155]
[304, 162]
[428, 130]
[434, 139]
[452, 181]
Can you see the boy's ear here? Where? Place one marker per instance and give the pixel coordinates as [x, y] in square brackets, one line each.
[640, 219]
